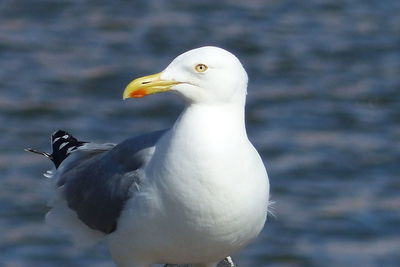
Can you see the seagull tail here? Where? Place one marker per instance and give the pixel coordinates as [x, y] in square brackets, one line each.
[62, 144]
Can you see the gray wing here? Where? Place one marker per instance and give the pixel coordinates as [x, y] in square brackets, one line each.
[96, 182]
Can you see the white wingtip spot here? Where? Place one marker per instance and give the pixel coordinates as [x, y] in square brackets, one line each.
[230, 261]
[63, 145]
[69, 150]
[48, 174]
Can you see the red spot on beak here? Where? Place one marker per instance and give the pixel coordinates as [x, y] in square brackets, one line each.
[138, 93]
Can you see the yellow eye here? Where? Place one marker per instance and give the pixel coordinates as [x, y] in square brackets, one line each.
[201, 68]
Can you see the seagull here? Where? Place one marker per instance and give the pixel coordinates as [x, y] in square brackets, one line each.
[192, 194]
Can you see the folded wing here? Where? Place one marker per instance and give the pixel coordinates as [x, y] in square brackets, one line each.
[96, 180]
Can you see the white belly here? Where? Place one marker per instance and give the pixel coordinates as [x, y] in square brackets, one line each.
[205, 195]
[192, 220]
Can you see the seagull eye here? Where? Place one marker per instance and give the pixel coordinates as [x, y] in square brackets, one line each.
[201, 68]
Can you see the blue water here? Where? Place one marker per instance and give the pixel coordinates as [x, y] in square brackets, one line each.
[323, 110]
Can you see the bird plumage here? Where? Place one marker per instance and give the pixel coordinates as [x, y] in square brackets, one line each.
[193, 194]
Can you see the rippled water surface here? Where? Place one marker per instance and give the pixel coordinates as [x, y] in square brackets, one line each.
[323, 109]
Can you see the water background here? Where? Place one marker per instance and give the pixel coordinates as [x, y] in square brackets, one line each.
[323, 110]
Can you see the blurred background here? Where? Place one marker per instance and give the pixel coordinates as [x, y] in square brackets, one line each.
[323, 109]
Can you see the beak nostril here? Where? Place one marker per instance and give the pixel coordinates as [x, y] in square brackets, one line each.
[147, 85]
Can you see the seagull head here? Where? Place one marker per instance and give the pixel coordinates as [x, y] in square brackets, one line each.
[203, 75]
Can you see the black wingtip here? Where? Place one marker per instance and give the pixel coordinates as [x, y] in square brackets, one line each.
[38, 152]
[62, 144]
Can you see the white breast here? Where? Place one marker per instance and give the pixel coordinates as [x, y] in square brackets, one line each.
[206, 193]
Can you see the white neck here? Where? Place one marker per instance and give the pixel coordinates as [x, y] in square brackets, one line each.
[212, 121]
[203, 136]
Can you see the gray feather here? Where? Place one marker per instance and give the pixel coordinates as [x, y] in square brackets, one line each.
[97, 181]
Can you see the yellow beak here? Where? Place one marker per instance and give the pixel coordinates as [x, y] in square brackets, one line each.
[147, 85]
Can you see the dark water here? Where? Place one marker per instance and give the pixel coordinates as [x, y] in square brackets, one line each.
[323, 109]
